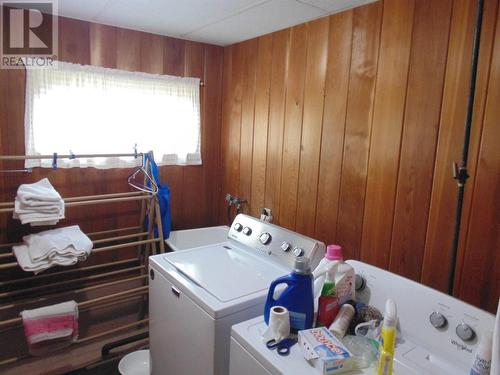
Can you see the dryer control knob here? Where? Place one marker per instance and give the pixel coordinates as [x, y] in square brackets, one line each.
[238, 227]
[265, 238]
[247, 231]
[285, 246]
[438, 320]
[465, 332]
[298, 252]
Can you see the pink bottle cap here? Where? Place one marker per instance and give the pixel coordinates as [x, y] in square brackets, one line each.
[334, 252]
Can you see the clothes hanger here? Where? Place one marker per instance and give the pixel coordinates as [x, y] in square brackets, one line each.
[149, 186]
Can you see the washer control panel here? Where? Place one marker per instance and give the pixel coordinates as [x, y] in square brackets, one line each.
[280, 244]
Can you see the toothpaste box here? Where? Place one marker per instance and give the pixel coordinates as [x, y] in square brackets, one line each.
[324, 351]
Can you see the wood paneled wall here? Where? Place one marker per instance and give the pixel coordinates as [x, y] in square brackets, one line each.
[347, 127]
[192, 188]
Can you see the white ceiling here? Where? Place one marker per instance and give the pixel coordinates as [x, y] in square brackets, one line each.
[219, 22]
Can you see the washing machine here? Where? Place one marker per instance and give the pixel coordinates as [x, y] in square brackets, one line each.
[437, 334]
[196, 295]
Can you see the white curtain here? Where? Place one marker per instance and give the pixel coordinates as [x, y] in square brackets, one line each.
[87, 110]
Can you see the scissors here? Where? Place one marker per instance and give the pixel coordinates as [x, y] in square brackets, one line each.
[282, 347]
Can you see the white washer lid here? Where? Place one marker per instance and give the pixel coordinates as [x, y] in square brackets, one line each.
[225, 271]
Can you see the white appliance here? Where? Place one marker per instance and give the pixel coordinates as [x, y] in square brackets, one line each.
[196, 295]
[438, 333]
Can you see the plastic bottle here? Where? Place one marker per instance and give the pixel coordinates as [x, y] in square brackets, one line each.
[482, 358]
[387, 339]
[342, 320]
[344, 278]
[319, 273]
[297, 297]
[328, 302]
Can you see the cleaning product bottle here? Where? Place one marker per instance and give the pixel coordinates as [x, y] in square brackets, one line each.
[345, 277]
[482, 358]
[387, 339]
[297, 297]
[328, 301]
[322, 268]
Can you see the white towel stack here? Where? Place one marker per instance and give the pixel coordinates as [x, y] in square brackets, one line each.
[38, 204]
[61, 246]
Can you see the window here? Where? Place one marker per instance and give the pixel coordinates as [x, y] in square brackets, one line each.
[87, 110]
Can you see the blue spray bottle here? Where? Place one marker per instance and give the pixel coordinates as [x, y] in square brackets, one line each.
[298, 296]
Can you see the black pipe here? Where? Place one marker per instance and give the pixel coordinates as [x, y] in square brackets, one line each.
[461, 174]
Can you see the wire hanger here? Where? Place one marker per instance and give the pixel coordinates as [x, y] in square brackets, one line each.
[150, 186]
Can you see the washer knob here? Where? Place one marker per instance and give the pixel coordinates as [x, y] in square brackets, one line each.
[438, 320]
[265, 238]
[298, 252]
[285, 246]
[247, 231]
[238, 227]
[465, 332]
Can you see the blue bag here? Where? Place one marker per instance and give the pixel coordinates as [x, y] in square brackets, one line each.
[163, 199]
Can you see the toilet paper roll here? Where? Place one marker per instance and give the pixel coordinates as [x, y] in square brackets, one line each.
[279, 324]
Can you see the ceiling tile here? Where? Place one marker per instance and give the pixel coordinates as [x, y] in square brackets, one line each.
[332, 6]
[170, 17]
[268, 17]
[84, 10]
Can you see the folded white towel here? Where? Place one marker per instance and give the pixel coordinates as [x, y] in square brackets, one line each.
[23, 259]
[54, 208]
[38, 194]
[38, 204]
[67, 241]
[61, 246]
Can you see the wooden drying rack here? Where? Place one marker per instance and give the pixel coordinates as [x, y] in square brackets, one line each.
[122, 271]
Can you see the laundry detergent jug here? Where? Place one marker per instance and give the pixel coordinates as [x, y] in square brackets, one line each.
[297, 297]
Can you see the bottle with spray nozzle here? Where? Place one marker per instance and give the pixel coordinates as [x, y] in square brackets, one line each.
[387, 339]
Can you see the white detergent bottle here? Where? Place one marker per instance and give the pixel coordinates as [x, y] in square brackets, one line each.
[345, 277]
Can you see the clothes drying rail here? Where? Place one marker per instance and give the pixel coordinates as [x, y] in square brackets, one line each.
[108, 284]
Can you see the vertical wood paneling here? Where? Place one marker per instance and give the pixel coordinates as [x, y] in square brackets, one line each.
[279, 74]
[482, 258]
[247, 120]
[128, 50]
[386, 130]
[211, 140]
[310, 147]
[231, 125]
[365, 48]
[74, 42]
[375, 79]
[151, 53]
[334, 114]
[102, 45]
[194, 202]
[294, 104]
[432, 20]
[173, 58]
[444, 190]
[261, 121]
